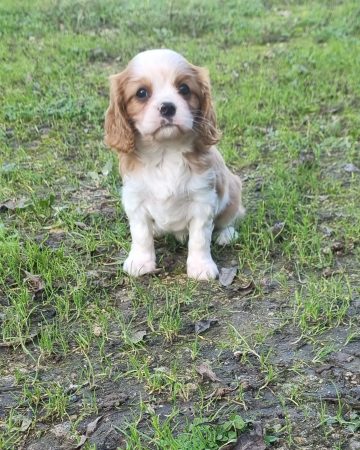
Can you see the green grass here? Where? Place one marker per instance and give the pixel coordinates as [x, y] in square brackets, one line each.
[74, 327]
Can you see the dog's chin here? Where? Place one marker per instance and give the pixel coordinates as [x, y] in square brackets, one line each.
[167, 131]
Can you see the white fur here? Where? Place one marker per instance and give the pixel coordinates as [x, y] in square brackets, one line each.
[165, 196]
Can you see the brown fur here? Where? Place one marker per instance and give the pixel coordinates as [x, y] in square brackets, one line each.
[119, 133]
[234, 209]
[225, 182]
[206, 128]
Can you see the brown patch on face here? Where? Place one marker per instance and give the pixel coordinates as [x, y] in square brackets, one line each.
[124, 109]
[135, 105]
[193, 99]
[200, 103]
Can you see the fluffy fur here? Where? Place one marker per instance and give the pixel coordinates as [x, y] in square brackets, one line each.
[162, 123]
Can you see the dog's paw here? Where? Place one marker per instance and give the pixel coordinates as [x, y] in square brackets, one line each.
[137, 265]
[202, 269]
[227, 236]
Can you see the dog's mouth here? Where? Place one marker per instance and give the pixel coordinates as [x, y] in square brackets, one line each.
[167, 123]
[168, 128]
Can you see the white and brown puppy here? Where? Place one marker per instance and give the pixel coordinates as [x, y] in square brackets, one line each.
[162, 123]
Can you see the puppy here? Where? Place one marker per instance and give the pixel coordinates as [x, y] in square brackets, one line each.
[162, 123]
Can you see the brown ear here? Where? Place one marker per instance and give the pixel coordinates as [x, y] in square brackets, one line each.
[207, 129]
[118, 131]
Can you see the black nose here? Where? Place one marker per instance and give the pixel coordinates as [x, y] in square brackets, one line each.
[167, 109]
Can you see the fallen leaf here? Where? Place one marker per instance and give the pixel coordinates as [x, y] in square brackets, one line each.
[61, 430]
[220, 392]
[206, 372]
[227, 275]
[82, 225]
[97, 330]
[83, 439]
[12, 205]
[25, 424]
[8, 167]
[137, 336]
[277, 229]
[94, 176]
[269, 285]
[307, 158]
[35, 282]
[327, 273]
[333, 109]
[327, 231]
[203, 325]
[107, 168]
[113, 400]
[246, 288]
[351, 168]
[19, 341]
[249, 440]
[90, 429]
[337, 246]
[57, 230]
[92, 426]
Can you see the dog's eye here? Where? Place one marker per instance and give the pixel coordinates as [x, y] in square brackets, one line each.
[184, 89]
[142, 93]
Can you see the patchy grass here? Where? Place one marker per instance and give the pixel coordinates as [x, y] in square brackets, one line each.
[80, 340]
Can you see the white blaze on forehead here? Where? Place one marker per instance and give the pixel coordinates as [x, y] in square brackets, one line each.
[157, 61]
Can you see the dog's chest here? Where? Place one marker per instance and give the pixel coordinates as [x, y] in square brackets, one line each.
[168, 191]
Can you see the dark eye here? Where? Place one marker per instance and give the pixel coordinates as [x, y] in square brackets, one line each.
[142, 93]
[184, 89]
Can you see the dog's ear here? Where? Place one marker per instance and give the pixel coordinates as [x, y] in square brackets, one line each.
[206, 118]
[119, 133]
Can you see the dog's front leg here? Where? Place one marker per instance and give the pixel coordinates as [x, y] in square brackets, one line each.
[141, 258]
[200, 264]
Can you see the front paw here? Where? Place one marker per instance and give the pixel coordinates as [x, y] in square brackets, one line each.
[202, 268]
[139, 264]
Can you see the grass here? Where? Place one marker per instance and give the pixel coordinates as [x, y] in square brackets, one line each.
[76, 332]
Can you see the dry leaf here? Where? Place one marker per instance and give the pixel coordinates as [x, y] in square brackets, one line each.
[92, 426]
[137, 336]
[246, 288]
[351, 168]
[83, 439]
[18, 341]
[250, 440]
[82, 225]
[35, 282]
[203, 325]
[227, 275]
[206, 373]
[90, 429]
[97, 330]
[220, 392]
[61, 430]
[25, 424]
[107, 168]
[277, 229]
[57, 230]
[11, 205]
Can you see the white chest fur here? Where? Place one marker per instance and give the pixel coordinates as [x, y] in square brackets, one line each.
[169, 192]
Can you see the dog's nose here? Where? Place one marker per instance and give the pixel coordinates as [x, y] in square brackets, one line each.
[167, 109]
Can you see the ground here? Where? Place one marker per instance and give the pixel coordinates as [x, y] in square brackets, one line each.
[91, 357]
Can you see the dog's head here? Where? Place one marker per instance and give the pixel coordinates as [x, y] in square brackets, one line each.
[160, 96]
